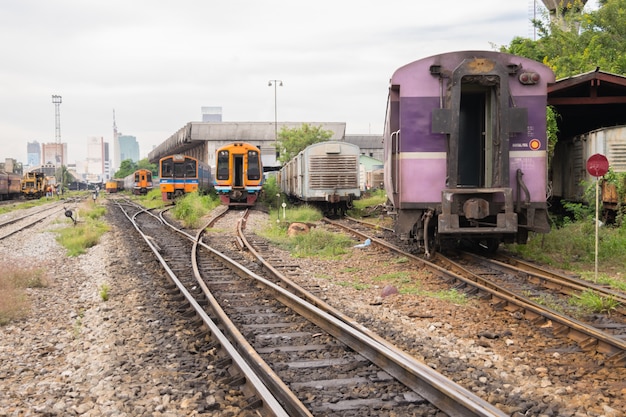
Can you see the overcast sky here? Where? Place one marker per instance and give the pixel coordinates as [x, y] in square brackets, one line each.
[156, 62]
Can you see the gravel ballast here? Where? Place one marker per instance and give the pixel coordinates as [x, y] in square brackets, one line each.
[76, 354]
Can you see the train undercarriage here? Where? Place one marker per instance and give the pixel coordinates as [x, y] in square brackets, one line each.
[468, 219]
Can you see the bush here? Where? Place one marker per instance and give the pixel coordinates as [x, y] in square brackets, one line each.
[190, 208]
[270, 191]
[76, 239]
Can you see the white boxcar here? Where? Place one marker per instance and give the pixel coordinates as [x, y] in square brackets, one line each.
[569, 165]
[325, 173]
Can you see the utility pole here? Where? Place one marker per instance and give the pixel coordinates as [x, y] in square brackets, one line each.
[56, 100]
[275, 83]
[116, 148]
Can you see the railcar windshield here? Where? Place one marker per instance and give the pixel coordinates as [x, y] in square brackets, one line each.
[179, 170]
[190, 168]
[167, 168]
[254, 171]
[222, 165]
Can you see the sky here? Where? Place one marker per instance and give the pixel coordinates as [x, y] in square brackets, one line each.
[155, 63]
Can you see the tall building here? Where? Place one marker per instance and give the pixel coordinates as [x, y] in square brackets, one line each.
[53, 153]
[95, 159]
[33, 154]
[108, 174]
[129, 148]
[211, 114]
[115, 157]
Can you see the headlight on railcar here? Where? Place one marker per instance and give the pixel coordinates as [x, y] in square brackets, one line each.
[529, 78]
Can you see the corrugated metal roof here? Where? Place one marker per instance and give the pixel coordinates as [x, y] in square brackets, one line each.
[366, 141]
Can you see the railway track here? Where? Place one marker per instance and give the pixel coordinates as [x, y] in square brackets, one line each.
[518, 287]
[313, 360]
[175, 259]
[24, 220]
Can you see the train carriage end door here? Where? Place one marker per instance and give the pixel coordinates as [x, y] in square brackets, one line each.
[481, 119]
[238, 171]
[476, 136]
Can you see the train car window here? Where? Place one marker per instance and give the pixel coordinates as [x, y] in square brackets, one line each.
[179, 170]
[149, 176]
[137, 177]
[254, 172]
[222, 165]
[190, 169]
[167, 168]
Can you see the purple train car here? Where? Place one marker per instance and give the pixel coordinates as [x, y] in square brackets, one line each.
[466, 149]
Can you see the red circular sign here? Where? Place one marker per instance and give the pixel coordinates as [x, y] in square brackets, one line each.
[597, 165]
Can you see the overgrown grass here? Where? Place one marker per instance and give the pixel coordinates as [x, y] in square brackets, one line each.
[368, 203]
[190, 208]
[408, 284]
[572, 247]
[594, 302]
[604, 279]
[14, 303]
[371, 208]
[23, 205]
[152, 199]
[319, 243]
[299, 214]
[315, 243]
[86, 233]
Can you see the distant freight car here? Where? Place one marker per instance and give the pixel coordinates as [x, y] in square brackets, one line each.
[325, 174]
[239, 174]
[182, 174]
[114, 186]
[10, 185]
[466, 149]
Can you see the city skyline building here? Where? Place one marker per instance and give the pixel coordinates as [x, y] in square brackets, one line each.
[108, 174]
[128, 148]
[54, 153]
[33, 153]
[95, 159]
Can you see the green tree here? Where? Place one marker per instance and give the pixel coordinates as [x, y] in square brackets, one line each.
[146, 164]
[575, 43]
[291, 141]
[579, 42]
[127, 167]
[64, 176]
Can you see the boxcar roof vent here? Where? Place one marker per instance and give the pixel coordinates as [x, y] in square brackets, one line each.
[333, 148]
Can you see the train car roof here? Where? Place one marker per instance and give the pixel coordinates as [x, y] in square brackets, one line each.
[425, 68]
